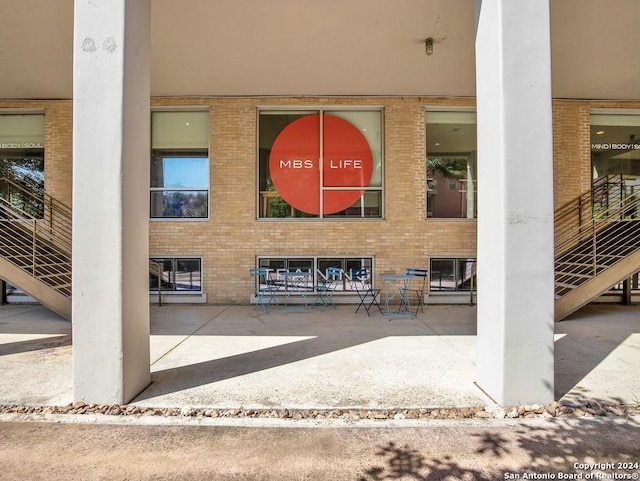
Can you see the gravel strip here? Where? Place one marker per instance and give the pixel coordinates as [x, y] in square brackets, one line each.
[553, 409]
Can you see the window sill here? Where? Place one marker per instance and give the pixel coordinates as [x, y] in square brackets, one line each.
[450, 298]
[179, 219]
[451, 219]
[179, 298]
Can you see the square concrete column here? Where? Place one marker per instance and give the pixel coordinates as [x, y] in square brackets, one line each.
[515, 202]
[110, 302]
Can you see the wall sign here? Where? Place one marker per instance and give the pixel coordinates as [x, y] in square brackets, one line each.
[294, 163]
[21, 145]
[629, 146]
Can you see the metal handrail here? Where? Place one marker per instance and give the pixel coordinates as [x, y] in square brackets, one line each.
[36, 236]
[23, 243]
[595, 231]
[474, 272]
[156, 269]
[54, 217]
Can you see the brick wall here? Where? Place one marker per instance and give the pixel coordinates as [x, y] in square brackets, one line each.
[58, 140]
[232, 238]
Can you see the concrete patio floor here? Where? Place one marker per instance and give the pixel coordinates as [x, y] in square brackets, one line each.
[235, 356]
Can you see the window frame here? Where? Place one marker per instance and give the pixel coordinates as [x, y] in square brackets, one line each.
[467, 155]
[611, 118]
[456, 270]
[321, 110]
[29, 146]
[181, 154]
[174, 259]
[348, 263]
[177, 152]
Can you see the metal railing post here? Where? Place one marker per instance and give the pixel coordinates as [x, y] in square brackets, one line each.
[3, 292]
[594, 246]
[34, 247]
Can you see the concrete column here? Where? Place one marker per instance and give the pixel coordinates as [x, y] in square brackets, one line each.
[110, 303]
[515, 202]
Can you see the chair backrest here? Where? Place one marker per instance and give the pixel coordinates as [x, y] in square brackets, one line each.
[260, 275]
[330, 278]
[334, 273]
[418, 273]
[257, 271]
[360, 277]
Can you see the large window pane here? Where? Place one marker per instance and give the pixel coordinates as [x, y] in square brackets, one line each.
[317, 266]
[180, 165]
[293, 183]
[369, 124]
[442, 275]
[451, 165]
[452, 275]
[179, 203]
[173, 171]
[179, 275]
[187, 275]
[615, 150]
[22, 159]
[368, 205]
[615, 145]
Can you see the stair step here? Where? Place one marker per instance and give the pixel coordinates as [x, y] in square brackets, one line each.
[28, 261]
[589, 255]
[67, 265]
[573, 274]
[576, 264]
[49, 276]
[40, 259]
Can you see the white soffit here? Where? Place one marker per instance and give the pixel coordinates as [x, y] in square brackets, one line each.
[329, 47]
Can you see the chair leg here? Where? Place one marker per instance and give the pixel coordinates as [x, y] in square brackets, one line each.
[420, 303]
[330, 301]
[319, 298]
[260, 300]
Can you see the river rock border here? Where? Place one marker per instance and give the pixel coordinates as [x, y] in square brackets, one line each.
[553, 409]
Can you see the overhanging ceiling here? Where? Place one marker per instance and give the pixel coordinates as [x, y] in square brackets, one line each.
[329, 47]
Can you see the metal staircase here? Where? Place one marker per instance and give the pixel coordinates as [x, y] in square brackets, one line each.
[597, 242]
[35, 245]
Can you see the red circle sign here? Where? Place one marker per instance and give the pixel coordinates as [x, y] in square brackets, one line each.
[295, 167]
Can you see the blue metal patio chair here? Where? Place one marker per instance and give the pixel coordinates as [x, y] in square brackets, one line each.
[418, 288]
[325, 289]
[361, 282]
[264, 288]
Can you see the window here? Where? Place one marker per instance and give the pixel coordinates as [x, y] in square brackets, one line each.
[22, 157]
[320, 164]
[615, 146]
[451, 165]
[615, 150]
[452, 274]
[179, 165]
[180, 275]
[318, 266]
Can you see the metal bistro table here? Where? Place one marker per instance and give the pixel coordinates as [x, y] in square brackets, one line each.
[396, 287]
[296, 282]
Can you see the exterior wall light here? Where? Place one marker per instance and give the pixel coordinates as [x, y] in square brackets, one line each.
[428, 46]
